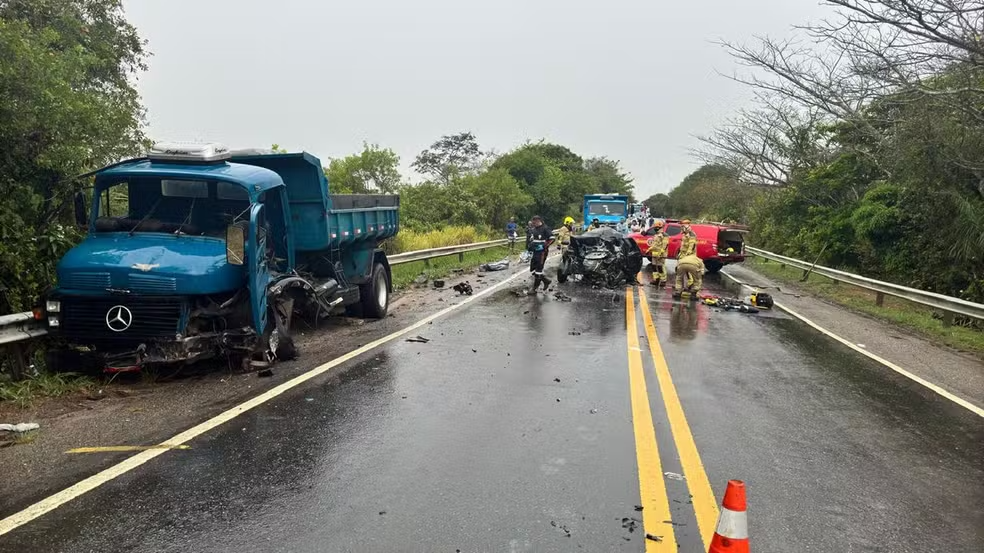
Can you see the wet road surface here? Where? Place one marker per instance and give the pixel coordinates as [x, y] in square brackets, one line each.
[519, 427]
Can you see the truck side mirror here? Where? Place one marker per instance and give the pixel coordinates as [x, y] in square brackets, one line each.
[235, 245]
[81, 215]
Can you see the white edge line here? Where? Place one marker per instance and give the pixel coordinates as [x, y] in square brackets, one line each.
[917, 379]
[58, 499]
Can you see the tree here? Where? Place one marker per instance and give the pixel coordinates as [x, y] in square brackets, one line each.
[375, 169]
[658, 204]
[498, 195]
[607, 177]
[67, 106]
[452, 155]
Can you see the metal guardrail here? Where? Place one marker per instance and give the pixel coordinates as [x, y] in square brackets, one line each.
[424, 255]
[20, 327]
[948, 304]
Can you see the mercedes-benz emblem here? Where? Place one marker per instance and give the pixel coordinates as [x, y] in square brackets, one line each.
[119, 318]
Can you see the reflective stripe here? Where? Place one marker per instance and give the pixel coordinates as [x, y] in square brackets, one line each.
[732, 524]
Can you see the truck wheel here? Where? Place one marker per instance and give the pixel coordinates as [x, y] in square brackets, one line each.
[66, 361]
[713, 266]
[375, 294]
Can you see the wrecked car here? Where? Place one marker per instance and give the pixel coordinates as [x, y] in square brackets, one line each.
[603, 257]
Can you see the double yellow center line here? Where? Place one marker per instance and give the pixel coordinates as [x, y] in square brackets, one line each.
[656, 511]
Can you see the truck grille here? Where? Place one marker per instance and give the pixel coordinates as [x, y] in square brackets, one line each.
[152, 283]
[85, 281]
[83, 319]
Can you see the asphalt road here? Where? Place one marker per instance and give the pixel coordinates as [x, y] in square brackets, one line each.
[523, 425]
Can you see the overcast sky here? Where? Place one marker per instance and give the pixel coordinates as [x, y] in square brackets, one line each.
[632, 80]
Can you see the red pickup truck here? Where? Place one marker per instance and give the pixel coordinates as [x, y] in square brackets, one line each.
[718, 244]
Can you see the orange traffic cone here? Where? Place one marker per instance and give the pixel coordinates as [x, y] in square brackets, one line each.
[731, 535]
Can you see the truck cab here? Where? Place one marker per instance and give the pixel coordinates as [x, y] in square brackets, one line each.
[609, 209]
[196, 251]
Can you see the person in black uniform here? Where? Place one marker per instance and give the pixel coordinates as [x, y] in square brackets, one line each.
[540, 238]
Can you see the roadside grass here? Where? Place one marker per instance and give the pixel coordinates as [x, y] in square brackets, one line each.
[23, 393]
[911, 316]
[405, 274]
[408, 241]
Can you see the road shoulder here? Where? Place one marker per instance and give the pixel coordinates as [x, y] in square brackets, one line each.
[960, 374]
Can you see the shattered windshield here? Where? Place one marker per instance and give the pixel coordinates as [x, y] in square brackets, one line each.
[192, 207]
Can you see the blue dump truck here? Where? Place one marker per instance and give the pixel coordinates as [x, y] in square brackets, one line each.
[607, 208]
[197, 251]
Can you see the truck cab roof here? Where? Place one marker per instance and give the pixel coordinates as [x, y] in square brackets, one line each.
[257, 179]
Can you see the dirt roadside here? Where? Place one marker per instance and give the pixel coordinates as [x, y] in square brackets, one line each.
[145, 413]
[959, 373]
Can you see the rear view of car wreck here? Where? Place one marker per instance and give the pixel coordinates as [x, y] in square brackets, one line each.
[196, 252]
[601, 257]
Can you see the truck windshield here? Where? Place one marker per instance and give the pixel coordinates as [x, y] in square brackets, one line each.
[193, 207]
[606, 208]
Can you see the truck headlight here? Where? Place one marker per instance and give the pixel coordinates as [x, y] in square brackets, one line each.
[52, 306]
[53, 322]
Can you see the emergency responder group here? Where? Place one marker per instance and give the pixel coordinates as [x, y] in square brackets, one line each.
[689, 271]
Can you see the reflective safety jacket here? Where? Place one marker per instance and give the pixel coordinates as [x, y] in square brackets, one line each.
[539, 238]
[564, 234]
[692, 262]
[657, 245]
[688, 244]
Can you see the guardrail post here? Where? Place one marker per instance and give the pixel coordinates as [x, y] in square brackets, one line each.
[806, 275]
[879, 299]
[427, 262]
[947, 319]
[782, 265]
[18, 363]
[461, 257]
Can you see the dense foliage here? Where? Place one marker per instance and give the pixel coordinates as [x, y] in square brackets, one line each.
[867, 151]
[67, 105]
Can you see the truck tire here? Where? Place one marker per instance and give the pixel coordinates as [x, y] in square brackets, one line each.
[712, 266]
[374, 295]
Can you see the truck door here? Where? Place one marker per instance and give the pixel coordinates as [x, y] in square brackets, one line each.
[259, 269]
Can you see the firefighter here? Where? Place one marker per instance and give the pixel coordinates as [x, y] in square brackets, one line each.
[657, 254]
[595, 223]
[540, 238]
[688, 240]
[689, 267]
[564, 234]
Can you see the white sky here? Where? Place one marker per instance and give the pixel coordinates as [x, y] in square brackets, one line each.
[633, 80]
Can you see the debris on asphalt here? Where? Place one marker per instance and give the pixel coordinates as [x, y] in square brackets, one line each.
[19, 428]
[422, 279]
[500, 265]
[593, 411]
[567, 531]
[474, 350]
[438, 284]
[558, 400]
[521, 293]
[630, 524]
[560, 296]
[556, 380]
[265, 373]
[638, 508]
[654, 538]
[673, 476]
[526, 312]
[463, 288]
[382, 513]
[574, 333]
[309, 399]
[418, 340]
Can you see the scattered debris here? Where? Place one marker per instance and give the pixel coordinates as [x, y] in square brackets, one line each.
[558, 400]
[265, 373]
[382, 513]
[418, 340]
[593, 411]
[20, 427]
[638, 508]
[556, 380]
[654, 538]
[463, 288]
[574, 333]
[560, 296]
[673, 476]
[862, 346]
[422, 279]
[438, 284]
[311, 398]
[630, 524]
[474, 350]
[500, 265]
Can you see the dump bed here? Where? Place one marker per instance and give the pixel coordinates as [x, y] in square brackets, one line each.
[320, 221]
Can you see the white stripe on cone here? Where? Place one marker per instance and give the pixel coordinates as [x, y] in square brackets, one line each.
[732, 524]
